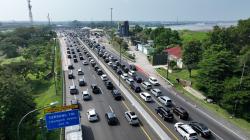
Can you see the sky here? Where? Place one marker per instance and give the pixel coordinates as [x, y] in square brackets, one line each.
[132, 10]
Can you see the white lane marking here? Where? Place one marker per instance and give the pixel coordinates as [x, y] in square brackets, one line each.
[216, 135]
[75, 97]
[73, 82]
[111, 108]
[101, 90]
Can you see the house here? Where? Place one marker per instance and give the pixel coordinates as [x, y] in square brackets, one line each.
[175, 54]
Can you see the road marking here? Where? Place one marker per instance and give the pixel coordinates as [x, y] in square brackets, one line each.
[111, 109]
[101, 90]
[126, 106]
[75, 97]
[144, 131]
[216, 135]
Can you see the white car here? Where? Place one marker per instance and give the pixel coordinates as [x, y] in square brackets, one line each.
[132, 118]
[146, 96]
[86, 95]
[186, 131]
[104, 77]
[124, 76]
[92, 115]
[110, 63]
[80, 72]
[153, 81]
[84, 62]
[132, 73]
[129, 81]
[156, 92]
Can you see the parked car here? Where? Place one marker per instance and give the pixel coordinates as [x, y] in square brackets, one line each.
[114, 67]
[86, 95]
[132, 73]
[85, 62]
[80, 72]
[119, 71]
[201, 129]
[81, 58]
[146, 85]
[95, 89]
[104, 77]
[99, 72]
[96, 68]
[132, 67]
[125, 69]
[116, 94]
[165, 113]
[73, 90]
[82, 82]
[75, 60]
[129, 81]
[135, 87]
[146, 96]
[181, 113]
[92, 115]
[132, 118]
[69, 56]
[110, 63]
[109, 85]
[137, 79]
[165, 100]
[185, 131]
[156, 92]
[153, 81]
[111, 118]
[124, 76]
[70, 67]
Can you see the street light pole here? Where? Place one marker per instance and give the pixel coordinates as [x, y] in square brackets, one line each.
[21, 120]
[120, 63]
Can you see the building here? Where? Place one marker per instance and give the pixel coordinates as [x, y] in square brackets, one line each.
[123, 29]
[175, 54]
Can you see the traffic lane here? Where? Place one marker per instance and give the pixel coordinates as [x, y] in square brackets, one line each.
[195, 118]
[101, 101]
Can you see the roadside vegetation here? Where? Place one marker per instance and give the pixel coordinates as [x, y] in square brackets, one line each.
[27, 80]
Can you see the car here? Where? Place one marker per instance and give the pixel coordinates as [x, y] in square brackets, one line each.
[181, 112]
[74, 56]
[111, 118]
[68, 52]
[125, 69]
[131, 118]
[156, 92]
[129, 81]
[85, 62]
[201, 129]
[116, 94]
[80, 54]
[104, 77]
[165, 113]
[146, 96]
[95, 89]
[165, 100]
[71, 75]
[109, 85]
[153, 81]
[75, 60]
[110, 63]
[93, 63]
[75, 102]
[81, 58]
[106, 60]
[137, 79]
[146, 85]
[73, 52]
[96, 68]
[86, 95]
[135, 87]
[119, 71]
[124, 76]
[69, 56]
[132, 73]
[114, 67]
[70, 67]
[80, 72]
[117, 63]
[132, 67]
[73, 90]
[82, 81]
[122, 66]
[185, 131]
[92, 115]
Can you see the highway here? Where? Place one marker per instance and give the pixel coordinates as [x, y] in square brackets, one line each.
[219, 132]
[103, 103]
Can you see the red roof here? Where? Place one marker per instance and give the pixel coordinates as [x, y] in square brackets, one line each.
[175, 51]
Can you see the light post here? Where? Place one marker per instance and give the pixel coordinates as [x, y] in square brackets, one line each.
[21, 120]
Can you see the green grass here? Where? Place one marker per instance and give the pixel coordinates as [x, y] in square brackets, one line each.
[10, 60]
[214, 108]
[187, 35]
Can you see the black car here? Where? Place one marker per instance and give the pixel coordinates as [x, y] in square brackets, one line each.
[69, 56]
[68, 52]
[137, 79]
[135, 87]
[96, 68]
[111, 118]
[164, 113]
[73, 52]
[116, 94]
[99, 72]
[114, 67]
[82, 82]
[181, 112]
[95, 89]
[80, 54]
[70, 67]
[122, 66]
[75, 60]
[81, 58]
[70, 75]
[125, 69]
[106, 60]
[74, 56]
[132, 67]
[119, 71]
[117, 63]
[201, 129]
[109, 85]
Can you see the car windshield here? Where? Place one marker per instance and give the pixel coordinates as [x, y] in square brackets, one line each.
[193, 134]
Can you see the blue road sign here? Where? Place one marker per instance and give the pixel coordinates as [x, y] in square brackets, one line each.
[62, 119]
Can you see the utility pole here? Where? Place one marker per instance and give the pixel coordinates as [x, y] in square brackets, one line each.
[111, 16]
[30, 12]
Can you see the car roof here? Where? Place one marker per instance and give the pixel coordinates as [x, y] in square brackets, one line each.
[188, 128]
[165, 97]
[111, 114]
[92, 111]
[157, 90]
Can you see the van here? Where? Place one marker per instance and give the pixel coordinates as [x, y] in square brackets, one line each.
[146, 85]
[146, 96]
[165, 100]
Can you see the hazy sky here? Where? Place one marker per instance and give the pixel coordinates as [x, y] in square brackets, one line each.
[145, 10]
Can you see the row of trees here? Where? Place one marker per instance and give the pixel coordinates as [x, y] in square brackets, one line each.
[16, 92]
[223, 62]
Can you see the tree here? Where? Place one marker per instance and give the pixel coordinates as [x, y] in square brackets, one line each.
[192, 55]
[217, 65]
[9, 49]
[138, 29]
[124, 45]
